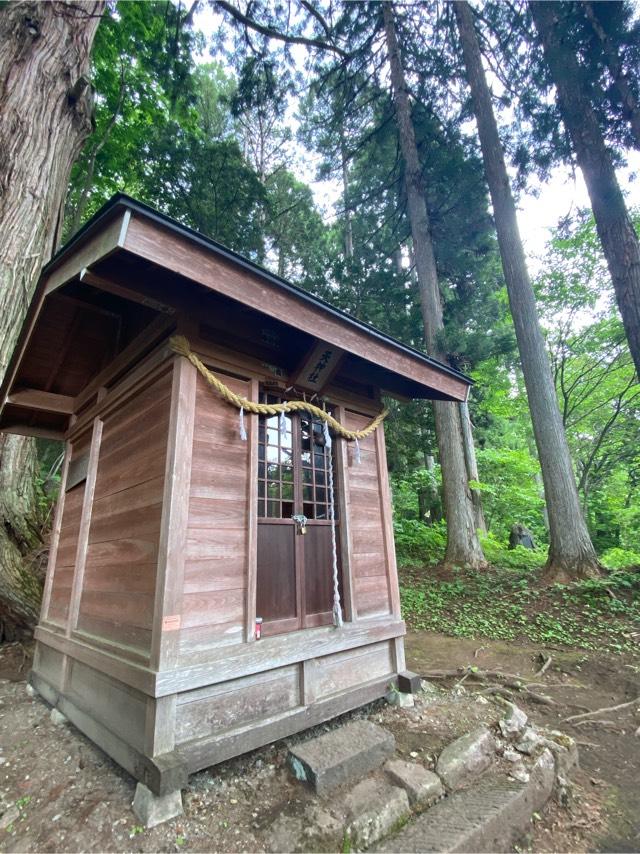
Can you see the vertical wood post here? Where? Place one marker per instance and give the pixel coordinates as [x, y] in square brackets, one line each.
[387, 520]
[55, 534]
[167, 616]
[252, 519]
[85, 523]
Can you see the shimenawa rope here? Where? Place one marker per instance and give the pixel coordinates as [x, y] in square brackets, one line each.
[180, 345]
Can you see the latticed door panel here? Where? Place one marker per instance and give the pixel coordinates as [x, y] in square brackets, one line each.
[295, 561]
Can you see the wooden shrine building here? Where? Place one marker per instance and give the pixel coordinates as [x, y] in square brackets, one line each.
[184, 524]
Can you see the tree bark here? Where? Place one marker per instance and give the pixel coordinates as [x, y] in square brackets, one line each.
[571, 553]
[620, 80]
[45, 117]
[616, 232]
[471, 464]
[463, 546]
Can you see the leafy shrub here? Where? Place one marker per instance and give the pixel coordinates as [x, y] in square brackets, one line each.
[419, 543]
[498, 554]
[617, 558]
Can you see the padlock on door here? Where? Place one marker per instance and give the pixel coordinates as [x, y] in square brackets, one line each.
[301, 523]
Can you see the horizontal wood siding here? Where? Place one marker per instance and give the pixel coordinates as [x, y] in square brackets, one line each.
[333, 674]
[217, 556]
[120, 708]
[48, 663]
[204, 712]
[122, 552]
[368, 563]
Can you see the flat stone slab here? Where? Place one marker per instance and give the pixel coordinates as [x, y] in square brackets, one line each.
[374, 809]
[341, 756]
[421, 785]
[467, 756]
[489, 817]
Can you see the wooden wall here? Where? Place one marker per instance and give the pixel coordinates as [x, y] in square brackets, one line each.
[118, 587]
[217, 556]
[369, 558]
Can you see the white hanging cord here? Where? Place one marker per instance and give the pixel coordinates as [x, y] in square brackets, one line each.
[282, 424]
[357, 451]
[243, 432]
[337, 608]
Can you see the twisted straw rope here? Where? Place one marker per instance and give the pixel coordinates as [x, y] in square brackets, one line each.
[179, 344]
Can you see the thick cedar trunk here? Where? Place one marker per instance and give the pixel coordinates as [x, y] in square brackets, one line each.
[472, 465]
[463, 546]
[45, 116]
[630, 107]
[616, 232]
[571, 553]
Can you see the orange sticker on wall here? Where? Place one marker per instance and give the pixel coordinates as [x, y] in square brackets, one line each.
[171, 624]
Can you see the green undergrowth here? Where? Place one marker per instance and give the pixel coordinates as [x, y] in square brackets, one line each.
[507, 602]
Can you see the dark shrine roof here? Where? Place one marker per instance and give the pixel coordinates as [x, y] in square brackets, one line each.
[128, 250]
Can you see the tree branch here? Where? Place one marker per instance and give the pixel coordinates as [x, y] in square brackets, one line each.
[271, 33]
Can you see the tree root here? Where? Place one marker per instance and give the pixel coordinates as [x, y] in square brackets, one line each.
[604, 709]
[508, 680]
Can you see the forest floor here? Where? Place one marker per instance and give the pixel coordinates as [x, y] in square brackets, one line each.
[60, 793]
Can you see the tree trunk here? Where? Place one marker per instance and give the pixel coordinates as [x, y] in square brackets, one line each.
[45, 116]
[471, 464]
[571, 553]
[348, 226]
[616, 232]
[630, 108]
[463, 546]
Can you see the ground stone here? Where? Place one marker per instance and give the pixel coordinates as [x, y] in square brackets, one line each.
[422, 786]
[31, 692]
[374, 808]
[488, 817]
[8, 817]
[154, 809]
[513, 722]
[58, 718]
[530, 742]
[342, 755]
[316, 829]
[466, 756]
[564, 750]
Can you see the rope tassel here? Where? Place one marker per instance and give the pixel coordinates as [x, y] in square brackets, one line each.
[337, 607]
[356, 452]
[243, 432]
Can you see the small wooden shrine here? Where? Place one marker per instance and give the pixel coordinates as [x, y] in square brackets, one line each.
[200, 504]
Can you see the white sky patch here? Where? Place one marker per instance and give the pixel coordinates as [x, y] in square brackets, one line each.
[540, 209]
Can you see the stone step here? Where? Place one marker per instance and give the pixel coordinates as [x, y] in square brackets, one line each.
[344, 755]
[489, 817]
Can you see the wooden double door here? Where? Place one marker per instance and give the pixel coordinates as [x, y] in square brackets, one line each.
[295, 560]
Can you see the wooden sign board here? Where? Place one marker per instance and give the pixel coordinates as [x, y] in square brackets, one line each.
[318, 367]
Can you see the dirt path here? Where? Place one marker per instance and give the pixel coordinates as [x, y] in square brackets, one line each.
[604, 814]
[60, 793]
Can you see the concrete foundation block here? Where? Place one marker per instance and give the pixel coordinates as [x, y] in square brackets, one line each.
[409, 682]
[58, 718]
[422, 786]
[466, 757]
[374, 809]
[341, 756]
[154, 809]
